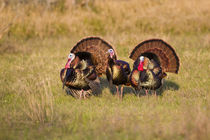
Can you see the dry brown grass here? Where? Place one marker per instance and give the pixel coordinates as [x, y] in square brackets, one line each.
[120, 17]
[39, 101]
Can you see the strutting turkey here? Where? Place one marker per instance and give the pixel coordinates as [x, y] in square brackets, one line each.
[153, 58]
[87, 60]
[117, 72]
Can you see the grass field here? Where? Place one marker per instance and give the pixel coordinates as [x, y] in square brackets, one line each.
[36, 37]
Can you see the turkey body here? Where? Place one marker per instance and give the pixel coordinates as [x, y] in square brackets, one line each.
[150, 81]
[117, 73]
[77, 78]
[153, 58]
[81, 78]
[149, 78]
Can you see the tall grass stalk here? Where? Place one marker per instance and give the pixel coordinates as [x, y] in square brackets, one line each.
[39, 102]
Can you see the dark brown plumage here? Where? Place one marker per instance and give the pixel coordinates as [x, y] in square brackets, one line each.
[117, 72]
[87, 60]
[158, 57]
[97, 47]
[80, 78]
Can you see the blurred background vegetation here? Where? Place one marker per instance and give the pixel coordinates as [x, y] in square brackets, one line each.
[46, 18]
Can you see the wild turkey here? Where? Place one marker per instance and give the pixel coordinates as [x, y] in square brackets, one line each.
[87, 60]
[117, 72]
[153, 58]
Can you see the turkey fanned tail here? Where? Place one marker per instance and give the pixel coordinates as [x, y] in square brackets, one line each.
[160, 51]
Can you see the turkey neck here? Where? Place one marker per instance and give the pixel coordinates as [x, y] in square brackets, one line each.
[111, 62]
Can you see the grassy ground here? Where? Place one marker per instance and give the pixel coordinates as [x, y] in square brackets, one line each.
[36, 38]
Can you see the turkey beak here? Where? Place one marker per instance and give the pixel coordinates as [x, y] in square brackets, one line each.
[67, 66]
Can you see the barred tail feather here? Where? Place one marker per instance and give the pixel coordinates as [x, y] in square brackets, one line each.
[160, 51]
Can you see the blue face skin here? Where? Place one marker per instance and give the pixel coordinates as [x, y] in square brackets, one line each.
[71, 56]
[70, 59]
[141, 58]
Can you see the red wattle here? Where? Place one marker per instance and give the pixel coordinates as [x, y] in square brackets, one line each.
[140, 67]
[68, 64]
[111, 55]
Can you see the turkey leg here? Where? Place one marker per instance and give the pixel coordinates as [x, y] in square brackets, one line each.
[121, 92]
[117, 91]
[81, 94]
